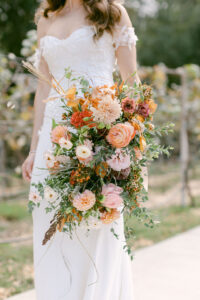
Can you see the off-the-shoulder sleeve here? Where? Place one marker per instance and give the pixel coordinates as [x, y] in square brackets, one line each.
[124, 36]
[37, 57]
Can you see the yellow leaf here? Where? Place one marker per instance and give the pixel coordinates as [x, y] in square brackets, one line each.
[71, 93]
[143, 143]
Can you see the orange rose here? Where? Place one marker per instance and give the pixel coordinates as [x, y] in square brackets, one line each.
[120, 135]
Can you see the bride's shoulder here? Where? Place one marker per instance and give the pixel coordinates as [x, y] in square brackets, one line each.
[124, 19]
[124, 32]
[43, 26]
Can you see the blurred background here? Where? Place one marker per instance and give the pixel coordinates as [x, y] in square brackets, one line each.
[169, 60]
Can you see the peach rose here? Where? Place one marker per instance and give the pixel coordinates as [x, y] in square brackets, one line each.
[120, 135]
[84, 201]
[109, 217]
[59, 132]
[112, 195]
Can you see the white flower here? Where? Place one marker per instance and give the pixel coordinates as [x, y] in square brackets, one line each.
[33, 196]
[49, 194]
[50, 159]
[83, 152]
[66, 144]
[108, 110]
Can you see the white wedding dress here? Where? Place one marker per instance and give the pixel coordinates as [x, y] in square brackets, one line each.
[90, 266]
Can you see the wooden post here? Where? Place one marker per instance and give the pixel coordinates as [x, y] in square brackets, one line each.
[184, 145]
[2, 168]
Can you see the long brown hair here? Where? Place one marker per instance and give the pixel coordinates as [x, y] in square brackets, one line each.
[103, 14]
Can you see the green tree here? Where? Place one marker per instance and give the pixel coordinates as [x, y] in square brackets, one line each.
[171, 36]
[16, 18]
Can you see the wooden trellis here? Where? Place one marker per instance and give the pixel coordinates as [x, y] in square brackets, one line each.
[184, 141]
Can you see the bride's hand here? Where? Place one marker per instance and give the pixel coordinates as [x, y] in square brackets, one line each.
[28, 166]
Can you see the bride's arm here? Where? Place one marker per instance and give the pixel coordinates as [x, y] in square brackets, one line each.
[126, 53]
[127, 62]
[41, 93]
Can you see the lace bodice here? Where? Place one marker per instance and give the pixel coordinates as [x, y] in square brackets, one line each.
[92, 59]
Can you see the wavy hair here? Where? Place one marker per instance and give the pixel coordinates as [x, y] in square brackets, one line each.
[103, 14]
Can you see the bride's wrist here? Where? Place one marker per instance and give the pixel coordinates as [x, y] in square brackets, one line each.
[32, 152]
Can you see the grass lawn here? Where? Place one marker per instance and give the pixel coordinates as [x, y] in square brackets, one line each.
[16, 263]
[173, 220]
[16, 268]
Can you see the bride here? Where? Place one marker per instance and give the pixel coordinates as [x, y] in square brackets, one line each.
[88, 36]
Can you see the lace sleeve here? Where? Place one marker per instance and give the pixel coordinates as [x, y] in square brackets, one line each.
[124, 36]
[35, 59]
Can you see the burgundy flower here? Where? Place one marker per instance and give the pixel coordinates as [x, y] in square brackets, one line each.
[128, 105]
[123, 174]
[143, 109]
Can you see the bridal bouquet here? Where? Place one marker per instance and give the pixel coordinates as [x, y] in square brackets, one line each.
[99, 148]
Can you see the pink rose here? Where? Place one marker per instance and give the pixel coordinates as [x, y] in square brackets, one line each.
[112, 195]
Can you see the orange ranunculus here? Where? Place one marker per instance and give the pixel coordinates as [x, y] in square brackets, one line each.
[77, 119]
[109, 217]
[59, 132]
[152, 106]
[142, 143]
[120, 135]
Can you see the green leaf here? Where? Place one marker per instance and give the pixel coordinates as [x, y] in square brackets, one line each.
[54, 124]
[101, 125]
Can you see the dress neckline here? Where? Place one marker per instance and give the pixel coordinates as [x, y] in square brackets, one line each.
[70, 35]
